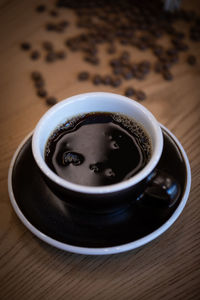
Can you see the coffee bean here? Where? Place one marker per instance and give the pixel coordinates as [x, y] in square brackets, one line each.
[140, 95]
[172, 51]
[117, 70]
[40, 8]
[135, 25]
[142, 46]
[191, 59]
[111, 49]
[166, 66]
[48, 46]
[134, 67]
[174, 59]
[92, 60]
[167, 75]
[25, 46]
[124, 42]
[51, 101]
[97, 79]
[58, 28]
[145, 64]
[50, 26]
[195, 33]
[129, 92]
[35, 54]
[83, 76]
[144, 67]
[61, 54]
[157, 33]
[107, 80]
[39, 84]
[51, 57]
[115, 63]
[127, 74]
[64, 24]
[42, 92]
[180, 35]
[158, 50]
[116, 82]
[36, 76]
[182, 47]
[53, 13]
[125, 56]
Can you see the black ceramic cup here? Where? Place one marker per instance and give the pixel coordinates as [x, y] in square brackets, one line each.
[98, 199]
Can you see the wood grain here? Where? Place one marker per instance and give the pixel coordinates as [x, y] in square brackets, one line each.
[167, 268]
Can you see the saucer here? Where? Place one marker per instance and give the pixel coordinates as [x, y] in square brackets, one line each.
[54, 222]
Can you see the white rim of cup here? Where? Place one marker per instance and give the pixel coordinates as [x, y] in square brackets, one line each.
[98, 189]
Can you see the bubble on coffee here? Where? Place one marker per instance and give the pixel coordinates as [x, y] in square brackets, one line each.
[98, 148]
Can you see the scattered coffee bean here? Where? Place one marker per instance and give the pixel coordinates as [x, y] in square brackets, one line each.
[39, 83]
[182, 46]
[35, 54]
[42, 92]
[97, 79]
[61, 54]
[50, 26]
[51, 101]
[129, 92]
[140, 95]
[83, 76]
[142, 46]
[191, 59]
[167, 75]
[40, 8]
[64, 24]
[172, 51]
[53, 13]
[51, 57]
[48, 46]
[158, 50]
[117, 70]
[115, 63]
[35, 75]
[92, 60]
[180, 35]
[134, 67]
[127, 74]
[166, 66]
[116, 82]
[59, 28]
[174, 59]
[125, 57]
[107, 80]
[25, 46]
[138, 26]
[111, 49]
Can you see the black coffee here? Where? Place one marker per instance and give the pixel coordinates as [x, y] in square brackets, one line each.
[98, 149]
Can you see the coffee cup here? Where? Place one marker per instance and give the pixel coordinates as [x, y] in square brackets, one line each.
[101, 198]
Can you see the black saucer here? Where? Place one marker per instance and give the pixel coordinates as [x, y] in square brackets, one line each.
[52, 217]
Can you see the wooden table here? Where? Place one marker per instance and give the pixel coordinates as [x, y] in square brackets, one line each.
[168, 267]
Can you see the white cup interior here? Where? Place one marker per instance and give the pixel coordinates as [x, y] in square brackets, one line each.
[96, 102]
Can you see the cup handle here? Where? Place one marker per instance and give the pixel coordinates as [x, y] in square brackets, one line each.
[162, 190]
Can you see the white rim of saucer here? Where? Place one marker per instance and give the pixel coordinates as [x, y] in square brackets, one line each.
[157, 151]
[103, 250]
